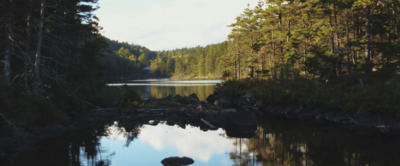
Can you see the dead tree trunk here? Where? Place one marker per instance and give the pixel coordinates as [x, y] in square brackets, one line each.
[39, 49]
[7, 55]
[8, 45]
[28, 51]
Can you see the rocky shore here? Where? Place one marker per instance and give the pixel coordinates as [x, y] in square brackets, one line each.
[236, 115]
[173, 110]
[249, 103]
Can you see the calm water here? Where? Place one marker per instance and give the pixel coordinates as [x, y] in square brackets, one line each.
[159, 88]
[278, 142]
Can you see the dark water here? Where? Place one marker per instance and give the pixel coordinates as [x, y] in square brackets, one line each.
[278, 142]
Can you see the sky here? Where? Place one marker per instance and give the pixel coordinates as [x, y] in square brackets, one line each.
[169, 24]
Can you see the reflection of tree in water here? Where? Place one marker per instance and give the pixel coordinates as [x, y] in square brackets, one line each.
[241, 156]
[88, 143]
[282, 144]
[201, 91]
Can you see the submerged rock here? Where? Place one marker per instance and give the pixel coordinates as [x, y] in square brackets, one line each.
[177, 161]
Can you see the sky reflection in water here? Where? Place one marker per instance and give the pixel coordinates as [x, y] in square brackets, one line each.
[155, 143]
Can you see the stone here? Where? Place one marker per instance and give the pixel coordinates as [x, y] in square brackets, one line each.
[229, 110]
[248, 96]
[211, 98]
[239, 119]
[177, 161]
[193, 97]
[225, 102]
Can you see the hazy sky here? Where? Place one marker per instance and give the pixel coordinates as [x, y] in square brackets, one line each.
[169, 24]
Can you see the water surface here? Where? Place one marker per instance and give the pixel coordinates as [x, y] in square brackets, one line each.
[159, 88]
[278, 142]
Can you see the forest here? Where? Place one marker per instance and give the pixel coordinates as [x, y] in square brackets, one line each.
[322, 39]
[124, 61]
[52, 55]
[334, 55]
[318, 38]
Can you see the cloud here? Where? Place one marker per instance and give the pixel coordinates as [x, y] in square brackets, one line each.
[170, 24]
[191, 142]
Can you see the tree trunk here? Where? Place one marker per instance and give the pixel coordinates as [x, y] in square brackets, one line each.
[336, 29]
[8, 40]
[337, 41]
[356, 37]
[348, 47]
[27, 58]
[238, 62]
[331, 35]
[39, 49]
[332, 42]
[7, 55]
[368, 64]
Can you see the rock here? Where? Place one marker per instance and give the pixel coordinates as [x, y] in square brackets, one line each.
[239, 119]
[173, 110]
[225, 101]
[211, 99]
[170, 96]
[182, 100]
[193, 97]
[230, 110]
[177, 161]
[241, 132]
[248, 96]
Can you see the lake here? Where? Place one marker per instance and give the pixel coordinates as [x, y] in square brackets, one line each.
[277, 142]
[159, 88]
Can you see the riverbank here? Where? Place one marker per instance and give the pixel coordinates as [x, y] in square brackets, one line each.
[369, 103]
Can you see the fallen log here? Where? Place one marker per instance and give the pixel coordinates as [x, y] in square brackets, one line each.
[208, 123]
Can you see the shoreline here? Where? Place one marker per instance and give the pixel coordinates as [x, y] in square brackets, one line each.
[244, 107]
[342, 119]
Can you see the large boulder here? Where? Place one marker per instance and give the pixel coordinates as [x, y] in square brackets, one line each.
[239, 119]
[239, 124]
[245, 102]
[212, 98]
[224, 101]
[241, 132]
[193, 98]
[177, 161]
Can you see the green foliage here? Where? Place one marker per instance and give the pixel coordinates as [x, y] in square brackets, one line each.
[347, 95]
[125, 61]
[199, 62]
[29, 109]
[70, 49]
[325, 39]
[129, 99]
